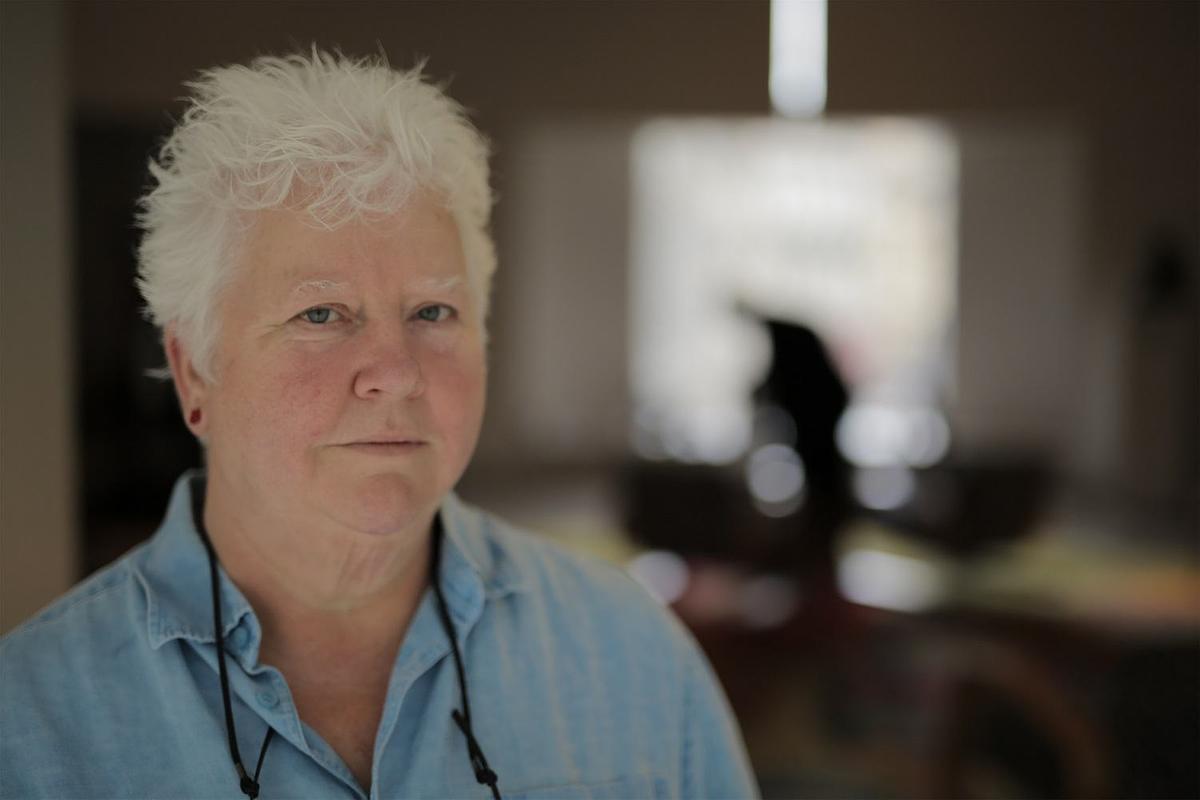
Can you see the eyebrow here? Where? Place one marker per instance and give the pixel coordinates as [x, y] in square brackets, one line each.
[439, 284]
[309, 287]
[427, 285]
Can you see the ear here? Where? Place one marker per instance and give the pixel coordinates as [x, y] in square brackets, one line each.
[191, 389]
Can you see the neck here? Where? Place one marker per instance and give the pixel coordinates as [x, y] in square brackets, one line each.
[317, 591]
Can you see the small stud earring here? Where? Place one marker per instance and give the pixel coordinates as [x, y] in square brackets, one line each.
[194, 417]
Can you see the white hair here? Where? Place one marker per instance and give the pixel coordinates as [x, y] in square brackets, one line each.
[335, 137]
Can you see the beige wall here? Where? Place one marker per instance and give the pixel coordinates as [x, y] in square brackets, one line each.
[1126, 75]
[38, 537]
[507, 59]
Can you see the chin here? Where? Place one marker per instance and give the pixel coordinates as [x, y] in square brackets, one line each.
[387, 504]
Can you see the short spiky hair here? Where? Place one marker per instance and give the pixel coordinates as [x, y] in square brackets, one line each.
[348, 137]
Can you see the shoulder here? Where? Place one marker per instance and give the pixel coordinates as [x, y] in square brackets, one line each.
[91, 596]
[63, 671]
[547, 565]
[590, 638]
[100, 613]
[580, 597]
[532, 561]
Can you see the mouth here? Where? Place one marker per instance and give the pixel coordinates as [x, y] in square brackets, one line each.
[386, 446]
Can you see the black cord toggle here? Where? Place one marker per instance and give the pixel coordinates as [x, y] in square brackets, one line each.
[248, 785]
[483, 773]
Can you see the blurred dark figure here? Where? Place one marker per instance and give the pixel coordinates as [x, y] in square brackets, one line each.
[805, 385]
[1162, 425]
[704, 510]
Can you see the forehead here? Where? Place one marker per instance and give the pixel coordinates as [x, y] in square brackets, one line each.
[419, 243]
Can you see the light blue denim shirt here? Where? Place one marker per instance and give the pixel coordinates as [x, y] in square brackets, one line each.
[580, 684]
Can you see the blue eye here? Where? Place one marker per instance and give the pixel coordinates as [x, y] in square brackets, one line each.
[435, 313]
[318, 315]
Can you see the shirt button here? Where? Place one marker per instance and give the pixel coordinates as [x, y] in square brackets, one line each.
[239, 637]
[267, 699]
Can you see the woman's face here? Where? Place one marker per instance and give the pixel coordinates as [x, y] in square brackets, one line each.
[350, 371]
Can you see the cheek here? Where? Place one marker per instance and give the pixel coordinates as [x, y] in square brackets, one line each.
[458, 389]
[291, 401]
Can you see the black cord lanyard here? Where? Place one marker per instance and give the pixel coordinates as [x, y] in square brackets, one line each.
[250, 786]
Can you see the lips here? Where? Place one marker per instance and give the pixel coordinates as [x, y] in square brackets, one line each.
[387, 445]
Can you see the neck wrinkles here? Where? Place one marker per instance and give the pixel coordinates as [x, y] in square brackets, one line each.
[315, 589]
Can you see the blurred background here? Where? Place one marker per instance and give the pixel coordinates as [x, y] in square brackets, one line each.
[864, 335]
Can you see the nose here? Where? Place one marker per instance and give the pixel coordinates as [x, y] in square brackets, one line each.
[390, 368]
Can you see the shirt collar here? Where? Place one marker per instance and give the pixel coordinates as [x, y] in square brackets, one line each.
[173, 570]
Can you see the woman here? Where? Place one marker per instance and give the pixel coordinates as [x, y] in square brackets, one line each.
[319, 615]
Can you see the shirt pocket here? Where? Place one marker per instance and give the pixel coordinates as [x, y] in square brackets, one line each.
[633, 788]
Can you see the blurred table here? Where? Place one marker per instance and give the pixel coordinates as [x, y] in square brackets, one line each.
[1055, 666]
